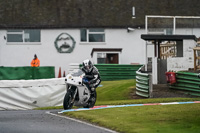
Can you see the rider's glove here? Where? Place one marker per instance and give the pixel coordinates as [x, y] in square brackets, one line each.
[86, 76]
[84, 81]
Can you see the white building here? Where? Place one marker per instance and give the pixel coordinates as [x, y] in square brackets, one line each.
[21, 53]
[105, 31]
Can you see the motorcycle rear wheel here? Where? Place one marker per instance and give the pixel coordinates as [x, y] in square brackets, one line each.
[92, 101]
[67, 103]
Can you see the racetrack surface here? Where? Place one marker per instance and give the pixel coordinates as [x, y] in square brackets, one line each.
[42, 121]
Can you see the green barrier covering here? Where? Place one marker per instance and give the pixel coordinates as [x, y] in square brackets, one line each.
[110, 72]
[143, 84]
[17, 73]
[117, 71]
[188, 82]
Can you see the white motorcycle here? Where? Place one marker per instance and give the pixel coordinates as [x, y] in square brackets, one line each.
[78, 93]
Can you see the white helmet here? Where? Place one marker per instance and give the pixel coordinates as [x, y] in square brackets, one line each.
[87, 64]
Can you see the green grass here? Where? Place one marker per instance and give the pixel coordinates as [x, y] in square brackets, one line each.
[115, 90]
[118, 92]
[111, 91]
[146, 119]
[142, 119]
[141, 101]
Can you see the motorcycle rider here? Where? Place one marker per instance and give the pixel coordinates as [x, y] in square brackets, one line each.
[92, 74]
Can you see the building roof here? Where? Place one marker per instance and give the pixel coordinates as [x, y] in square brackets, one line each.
[90, 13]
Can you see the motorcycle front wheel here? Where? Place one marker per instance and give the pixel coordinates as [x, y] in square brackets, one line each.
[67, 102]
[91, 101]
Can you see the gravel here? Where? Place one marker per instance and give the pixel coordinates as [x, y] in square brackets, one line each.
[163, 91]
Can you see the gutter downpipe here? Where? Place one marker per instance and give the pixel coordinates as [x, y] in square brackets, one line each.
[146, 26]
[174, 25]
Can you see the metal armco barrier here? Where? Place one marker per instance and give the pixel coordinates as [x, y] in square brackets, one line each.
[188, 82]
[143, 84]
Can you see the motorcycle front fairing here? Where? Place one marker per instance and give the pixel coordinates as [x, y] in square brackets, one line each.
[75, 79]
[84, 96]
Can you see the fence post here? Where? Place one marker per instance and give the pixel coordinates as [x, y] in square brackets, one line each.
[150, 86]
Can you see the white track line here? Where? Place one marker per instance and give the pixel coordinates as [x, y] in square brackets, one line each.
[65, 117]
[127, 105]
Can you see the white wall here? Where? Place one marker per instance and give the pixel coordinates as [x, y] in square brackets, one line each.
[189, 31]
[133, 48]
[185, 62]
[29, 94]
[21, 55]
[131, 43]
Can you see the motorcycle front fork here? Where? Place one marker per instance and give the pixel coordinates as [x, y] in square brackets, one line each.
[73, 94]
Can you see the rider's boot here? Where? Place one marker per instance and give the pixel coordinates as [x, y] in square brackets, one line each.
[92, 93]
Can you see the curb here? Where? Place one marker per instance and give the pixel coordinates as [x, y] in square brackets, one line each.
[128, 105]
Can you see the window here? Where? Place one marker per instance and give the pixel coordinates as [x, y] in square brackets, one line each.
[168, 31]
[23, 36]
[101, 58]
[107, 58]
[92, 35]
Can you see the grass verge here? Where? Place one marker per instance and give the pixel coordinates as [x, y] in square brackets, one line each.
[115, 90]
[142, 119]
[146, 119]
